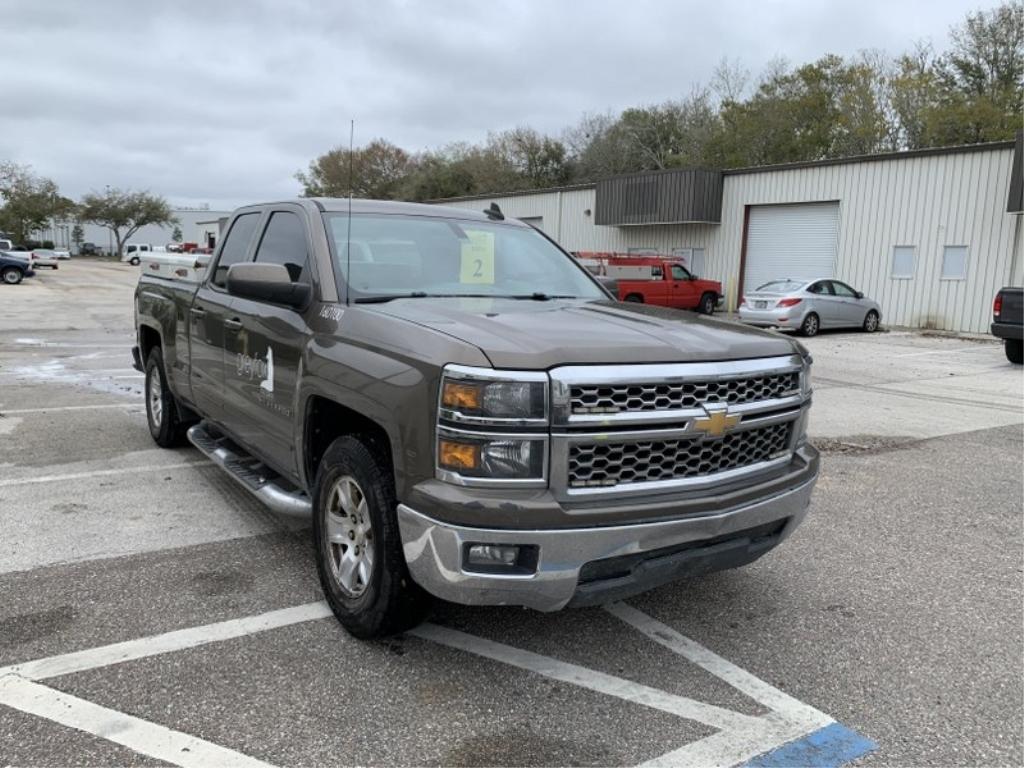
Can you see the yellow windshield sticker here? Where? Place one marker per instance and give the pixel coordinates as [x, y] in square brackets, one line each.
[478, 258]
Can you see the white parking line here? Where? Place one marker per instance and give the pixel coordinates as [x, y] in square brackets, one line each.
[744, 682]
[100, 473]
[738, 737]
[117, 653]
[690, 709]
[135, 733]
[55, 408]
[789, 718]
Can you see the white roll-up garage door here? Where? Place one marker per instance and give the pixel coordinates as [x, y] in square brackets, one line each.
[796, 241]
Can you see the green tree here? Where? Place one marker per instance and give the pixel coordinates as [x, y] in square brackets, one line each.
[77, 235]
[30, 202]
[125, 212]
[176, 235]
[981, 97]
[460, 169]
[373, 171]
[831, 108]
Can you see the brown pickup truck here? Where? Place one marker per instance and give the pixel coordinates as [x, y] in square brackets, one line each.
[465, 413]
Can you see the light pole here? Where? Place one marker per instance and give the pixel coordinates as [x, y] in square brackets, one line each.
[110, 233]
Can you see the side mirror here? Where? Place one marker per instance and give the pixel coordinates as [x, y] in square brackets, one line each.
[858, 294]
[267, 282]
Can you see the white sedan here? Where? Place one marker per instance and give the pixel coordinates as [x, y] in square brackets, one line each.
[45, 257]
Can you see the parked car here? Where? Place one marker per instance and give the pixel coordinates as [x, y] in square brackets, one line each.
[464, 413]
[6, 245]
[44, 257]
[14, 268]
[808, 306]
[1008, 322]
[89, 249]
[62, 254]
[662, 281]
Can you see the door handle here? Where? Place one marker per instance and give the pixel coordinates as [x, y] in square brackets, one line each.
[233, 323]
[196, 312]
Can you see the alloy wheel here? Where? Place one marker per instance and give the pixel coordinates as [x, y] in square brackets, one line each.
[350, 537]
[156, 398]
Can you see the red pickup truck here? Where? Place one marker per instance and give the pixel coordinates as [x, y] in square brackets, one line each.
[661, 281]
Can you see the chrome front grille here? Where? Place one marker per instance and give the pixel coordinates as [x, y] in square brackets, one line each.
[631, 430]
[602, 464]
[646, 397]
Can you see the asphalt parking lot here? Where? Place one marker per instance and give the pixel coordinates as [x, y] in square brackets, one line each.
[153, 613]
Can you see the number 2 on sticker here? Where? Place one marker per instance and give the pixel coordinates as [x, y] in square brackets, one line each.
[477, 258]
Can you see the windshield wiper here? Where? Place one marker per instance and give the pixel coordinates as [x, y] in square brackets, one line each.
[423, 295]
[537, 296]
[389, 297]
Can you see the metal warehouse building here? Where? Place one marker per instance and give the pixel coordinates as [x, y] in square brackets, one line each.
[931, 234]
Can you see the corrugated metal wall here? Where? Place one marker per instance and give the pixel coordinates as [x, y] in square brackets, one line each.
[927, 202]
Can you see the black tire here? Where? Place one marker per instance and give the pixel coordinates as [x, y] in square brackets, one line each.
[811, 325]
[636, 298]
[707, 304]
[390, 601]
[165, 424]
[11, 275]
[1014, 351]
[135, 261]
[871, 322]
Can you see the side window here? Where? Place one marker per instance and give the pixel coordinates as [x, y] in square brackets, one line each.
[657, 273]
[842, 289]
[902, 261]
[678, 273]
[820, 288]
[284, 242]
[954, 262]
[236, 245]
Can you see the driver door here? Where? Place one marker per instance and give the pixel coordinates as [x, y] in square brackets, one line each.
[684, 291]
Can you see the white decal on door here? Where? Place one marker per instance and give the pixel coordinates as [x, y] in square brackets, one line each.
[267, 385]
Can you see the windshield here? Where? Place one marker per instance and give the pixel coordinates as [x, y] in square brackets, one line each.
[780, 286]
[399, 255]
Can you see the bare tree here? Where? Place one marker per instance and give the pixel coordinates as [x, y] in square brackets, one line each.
[729, 80]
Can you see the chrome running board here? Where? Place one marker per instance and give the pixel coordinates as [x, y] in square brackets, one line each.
[251, 474]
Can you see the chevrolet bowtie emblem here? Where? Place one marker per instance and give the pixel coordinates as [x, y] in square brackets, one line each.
[717, 422]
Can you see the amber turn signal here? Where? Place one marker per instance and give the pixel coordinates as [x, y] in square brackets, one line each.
[459, 396]
[452, 455]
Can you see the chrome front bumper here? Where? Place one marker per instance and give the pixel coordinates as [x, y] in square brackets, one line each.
[434, 550]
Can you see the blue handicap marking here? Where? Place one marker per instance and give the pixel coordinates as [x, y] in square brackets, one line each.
[833, 745]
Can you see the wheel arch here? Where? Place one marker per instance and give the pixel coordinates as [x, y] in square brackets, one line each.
[149, 338]
[324, 420]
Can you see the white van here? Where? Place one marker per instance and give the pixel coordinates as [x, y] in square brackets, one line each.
[133, 252]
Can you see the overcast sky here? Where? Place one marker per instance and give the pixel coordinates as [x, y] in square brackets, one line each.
[223, 102]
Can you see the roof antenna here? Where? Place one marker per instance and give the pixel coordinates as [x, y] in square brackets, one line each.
[494, 213]
[348, 244]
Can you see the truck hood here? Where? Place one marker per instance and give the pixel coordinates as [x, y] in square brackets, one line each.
[543, 334]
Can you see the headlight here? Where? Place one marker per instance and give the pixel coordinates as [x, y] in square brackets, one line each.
[486, 396]
[805, 379]
[466, 455]
[492, 427]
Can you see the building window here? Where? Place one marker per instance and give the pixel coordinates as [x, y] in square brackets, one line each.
[954, 262]
[902, 261]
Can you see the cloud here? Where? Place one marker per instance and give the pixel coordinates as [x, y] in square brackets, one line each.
[223, 101]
